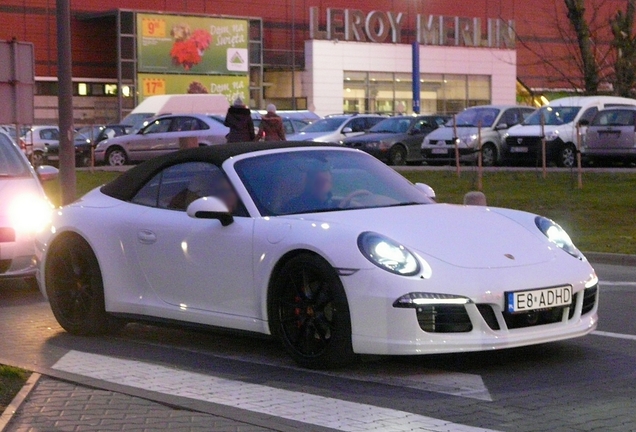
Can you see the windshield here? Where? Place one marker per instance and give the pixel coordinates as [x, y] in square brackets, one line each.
[393, 125]
[552, 116]
[11, 162]
[312, 181]
[137, 121]
[324, 125]
[475, 117]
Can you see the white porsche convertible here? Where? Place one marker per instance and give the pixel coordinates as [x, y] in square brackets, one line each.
[322, 247]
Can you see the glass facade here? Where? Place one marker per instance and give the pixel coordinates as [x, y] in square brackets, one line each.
[384, 92]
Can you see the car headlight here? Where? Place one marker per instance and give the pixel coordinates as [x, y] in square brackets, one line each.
[551, 135]
[388, 254]
[557, 235]
[30, 214]
[468, 140]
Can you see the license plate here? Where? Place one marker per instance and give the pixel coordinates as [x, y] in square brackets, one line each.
[524, 301]
[439, 151]
[518, 149]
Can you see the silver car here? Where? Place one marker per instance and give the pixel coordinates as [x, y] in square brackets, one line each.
[494, 120]
[611, 135]
[160, 136]
[24, 211]
[334, 129]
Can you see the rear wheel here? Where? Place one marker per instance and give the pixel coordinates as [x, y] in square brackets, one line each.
[75, 288]
[116, 157]
[566, 157]
[397, 155]
[309, 313]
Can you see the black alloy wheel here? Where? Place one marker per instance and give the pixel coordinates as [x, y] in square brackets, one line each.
[397, 155]
[310, 314]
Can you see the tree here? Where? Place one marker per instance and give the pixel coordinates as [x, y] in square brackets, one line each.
[622, 25]
[589, 66]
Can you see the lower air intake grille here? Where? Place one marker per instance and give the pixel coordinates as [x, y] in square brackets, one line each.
[444, 319]
[488, 314]
[589, 299]
[533, 318]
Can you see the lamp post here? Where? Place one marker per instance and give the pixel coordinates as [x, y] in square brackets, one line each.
[293, 53]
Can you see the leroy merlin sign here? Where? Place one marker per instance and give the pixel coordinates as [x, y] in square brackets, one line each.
[191, 45]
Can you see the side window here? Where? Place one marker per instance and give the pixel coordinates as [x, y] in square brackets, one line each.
[421, 125]
[177, 186]
[289, 128]
[50, 134]
[298, 125]
[511, 117]
[525, 112]
[158, 126]
[184, 124]
[589, 114]
[372, 121]
[357, 125]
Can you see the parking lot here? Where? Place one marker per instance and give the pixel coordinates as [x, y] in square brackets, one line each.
[582, 384]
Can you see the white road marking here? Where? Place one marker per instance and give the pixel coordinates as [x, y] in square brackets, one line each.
[614, 335]
[306, 408]
[617, 283]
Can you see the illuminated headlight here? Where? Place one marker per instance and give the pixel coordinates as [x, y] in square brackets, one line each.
[30, 214]
[551, 135]
[388, 254]
[416, 299]
[557, 235]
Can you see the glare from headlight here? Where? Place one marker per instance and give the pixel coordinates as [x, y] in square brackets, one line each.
[30, 214]
[557, 235]
[387, 254]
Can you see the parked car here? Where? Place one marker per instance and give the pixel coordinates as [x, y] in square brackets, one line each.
[83, 148]
[560, 117]
[101, 132]
[336, 128]
[159, 137]
[397, 140]
[494, 121]
[292, 126]
[323, 247]
[611, 135]
[24, 211]
[43, 146]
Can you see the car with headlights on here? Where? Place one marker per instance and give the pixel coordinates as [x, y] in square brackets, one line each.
[24, 210]
[323, 247]
[397, 140]
[494, 121]
[160, 136]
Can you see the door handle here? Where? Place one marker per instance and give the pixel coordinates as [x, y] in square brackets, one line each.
[146, 237]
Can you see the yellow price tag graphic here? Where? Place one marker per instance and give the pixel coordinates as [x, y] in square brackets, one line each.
[154, 86]
[153, 27]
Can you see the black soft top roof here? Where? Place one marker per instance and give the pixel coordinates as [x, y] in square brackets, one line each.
[128, 184]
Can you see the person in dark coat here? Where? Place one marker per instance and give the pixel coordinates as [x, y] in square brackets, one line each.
[272, 128]
[239, 120]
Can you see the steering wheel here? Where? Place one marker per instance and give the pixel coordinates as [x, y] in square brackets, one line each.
[346, 201]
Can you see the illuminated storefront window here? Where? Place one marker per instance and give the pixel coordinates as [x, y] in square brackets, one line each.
[382, 92]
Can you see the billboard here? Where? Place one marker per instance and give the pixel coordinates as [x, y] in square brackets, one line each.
[159, 84]
[191, 45]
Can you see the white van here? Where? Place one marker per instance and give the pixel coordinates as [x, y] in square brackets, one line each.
[522, 143]
[212, 104]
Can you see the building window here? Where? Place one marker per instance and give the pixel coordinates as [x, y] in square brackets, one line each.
[82, 89]
[110, 89]
[382, 92]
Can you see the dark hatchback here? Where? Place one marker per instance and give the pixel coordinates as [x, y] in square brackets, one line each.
[397, 140]
[82, 146]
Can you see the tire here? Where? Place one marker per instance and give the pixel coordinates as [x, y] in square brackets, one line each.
[116, 157]
[309, 313]
[489, 155]
[75, 289]
[84, 161]
[397, 155]
[37, 159]
[566, 157]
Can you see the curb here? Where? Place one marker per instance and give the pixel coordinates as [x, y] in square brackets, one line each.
[12, 408]
[611, 258]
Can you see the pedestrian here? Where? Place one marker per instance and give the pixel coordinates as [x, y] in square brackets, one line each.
[272, 128]
[239, 120]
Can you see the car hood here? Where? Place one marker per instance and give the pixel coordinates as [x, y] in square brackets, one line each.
[535, 130]
[463, 236]
[375, 137]
[446, 133]
[308, 136]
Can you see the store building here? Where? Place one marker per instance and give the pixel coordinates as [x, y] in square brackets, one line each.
[328, 56]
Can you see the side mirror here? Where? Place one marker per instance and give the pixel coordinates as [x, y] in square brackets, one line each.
[210, 208]
[46, 173]
[502, 126]
[426, 190]
[584, 122]
[347, 130]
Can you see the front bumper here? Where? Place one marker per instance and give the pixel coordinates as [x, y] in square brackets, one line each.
[447, 153]
[380, 328]
[17, 260]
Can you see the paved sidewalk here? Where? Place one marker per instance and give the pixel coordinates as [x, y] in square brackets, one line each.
[55, 405]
